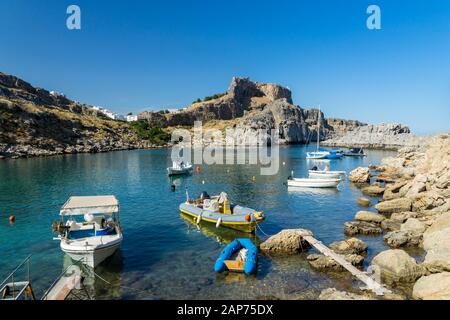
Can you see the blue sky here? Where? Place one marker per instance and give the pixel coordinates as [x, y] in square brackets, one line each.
[136, 55]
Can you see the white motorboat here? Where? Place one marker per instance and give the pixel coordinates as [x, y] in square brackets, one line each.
[179, 168]
[97, 237]
[313, 183]
[326, 174]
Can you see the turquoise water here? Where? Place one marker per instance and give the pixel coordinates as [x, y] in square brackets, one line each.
[163, 255]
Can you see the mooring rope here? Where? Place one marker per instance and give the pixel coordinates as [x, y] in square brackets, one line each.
[122, 286]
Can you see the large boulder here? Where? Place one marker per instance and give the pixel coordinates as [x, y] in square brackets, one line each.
[396, 266]
[361, 227]
[433, 287]
[436, 241]
[414, 225]
[393, 190]
[369, 217]
[399, 238]
[360, 175]
[334, 294]
[390, 225]
[396, 205]
[288, 241]
[349, 246]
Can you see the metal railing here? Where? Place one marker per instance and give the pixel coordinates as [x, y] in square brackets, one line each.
[11, 275]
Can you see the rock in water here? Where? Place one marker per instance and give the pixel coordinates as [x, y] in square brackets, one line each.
[433, 287]
[349, 246]
[396, 205]
[334, 294]
[374, 190]
[398, 238]
[369, 217]
[288, 241]
[360, 175]
[364, 202]
[325, 263]
[361, 227]
[395, 266]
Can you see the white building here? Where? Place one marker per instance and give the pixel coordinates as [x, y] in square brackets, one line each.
[110, 114]
[131, 118]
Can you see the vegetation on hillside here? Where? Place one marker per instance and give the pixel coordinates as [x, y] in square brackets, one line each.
[207, 98]
[154, 135]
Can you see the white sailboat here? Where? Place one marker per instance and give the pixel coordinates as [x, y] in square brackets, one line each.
[317, 154]
[97, 237]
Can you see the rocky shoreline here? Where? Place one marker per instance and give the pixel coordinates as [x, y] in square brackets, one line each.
[384, 136]
[413, 211]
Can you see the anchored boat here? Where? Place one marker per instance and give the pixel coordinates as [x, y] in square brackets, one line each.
[313, 183]
[179, 168]
[218, 210]
[318, 154]
[355, 152]
[326, 173]
[239, 256]
[95, 238]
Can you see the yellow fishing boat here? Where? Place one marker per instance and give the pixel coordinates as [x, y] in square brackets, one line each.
[219, 211]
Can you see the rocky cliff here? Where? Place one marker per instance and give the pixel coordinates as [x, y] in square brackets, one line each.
[253, 106]
[35, 122]
[383, 136]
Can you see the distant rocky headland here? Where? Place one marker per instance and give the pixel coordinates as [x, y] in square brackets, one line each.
[37, 122]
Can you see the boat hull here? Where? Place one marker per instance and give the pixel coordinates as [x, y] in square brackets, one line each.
[90, 255]
[177, 172]
[317, 155]
[314, 183]
[236, 221]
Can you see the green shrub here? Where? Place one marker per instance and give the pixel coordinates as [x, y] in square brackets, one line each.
[154, 135]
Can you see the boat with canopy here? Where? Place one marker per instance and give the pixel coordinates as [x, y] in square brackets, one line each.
[179, 168]
[97, 236]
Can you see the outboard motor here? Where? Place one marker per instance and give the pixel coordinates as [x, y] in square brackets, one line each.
[204, 195]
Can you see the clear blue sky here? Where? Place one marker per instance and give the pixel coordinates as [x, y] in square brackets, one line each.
[135, 55]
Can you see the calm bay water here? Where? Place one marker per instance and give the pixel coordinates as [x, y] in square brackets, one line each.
[163, 255]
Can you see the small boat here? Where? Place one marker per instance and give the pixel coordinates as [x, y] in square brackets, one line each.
[318, 154]
[97, 237]
[218, 210]
[332, 155]
[241, 255]
[179, 168]
[313, 183]
[355, 152]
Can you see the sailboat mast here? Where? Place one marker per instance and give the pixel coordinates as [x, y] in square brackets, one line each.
[318, 130]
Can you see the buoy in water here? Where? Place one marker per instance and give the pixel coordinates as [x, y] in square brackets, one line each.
[253, 178]
[284, 163]
[12, 219]
[203, 181]
[197, 168]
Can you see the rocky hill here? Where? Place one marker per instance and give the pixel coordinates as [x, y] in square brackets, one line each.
[251, 106]
[35, 122]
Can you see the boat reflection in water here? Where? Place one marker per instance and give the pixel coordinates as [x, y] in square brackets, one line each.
[313, 191]
[105, 278]
[221, 235]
